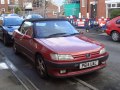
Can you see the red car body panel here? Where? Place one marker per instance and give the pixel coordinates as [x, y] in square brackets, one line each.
[112, 26]
[69, 45]
[77, 46]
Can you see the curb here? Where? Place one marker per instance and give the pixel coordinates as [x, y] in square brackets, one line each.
[27, 84]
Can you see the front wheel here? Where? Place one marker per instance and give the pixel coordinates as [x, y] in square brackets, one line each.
[41, 67]
[115, 36]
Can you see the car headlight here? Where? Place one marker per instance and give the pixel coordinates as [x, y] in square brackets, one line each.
[102, 51]
[61, 57]
[10, 33]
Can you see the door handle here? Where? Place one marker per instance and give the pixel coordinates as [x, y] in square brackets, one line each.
[21, 37]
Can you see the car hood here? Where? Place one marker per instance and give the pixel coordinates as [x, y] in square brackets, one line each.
[10, 28]
[70, 44]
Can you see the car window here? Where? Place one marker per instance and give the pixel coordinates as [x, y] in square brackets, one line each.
[118, 21]
[15, 21]
[29, 31]
[25, 26]
[48, 28]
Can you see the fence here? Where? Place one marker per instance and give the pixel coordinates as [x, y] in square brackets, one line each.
[49, 13]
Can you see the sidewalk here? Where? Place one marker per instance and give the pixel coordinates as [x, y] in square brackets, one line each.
[7, 80]
[92, 31]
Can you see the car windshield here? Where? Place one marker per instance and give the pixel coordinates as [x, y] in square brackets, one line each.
[34, 16]
[47, 29]
[12, 21]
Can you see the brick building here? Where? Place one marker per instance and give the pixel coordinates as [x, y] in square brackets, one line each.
[50, 10]
[93, 8]
[7, 5]
[98, 8]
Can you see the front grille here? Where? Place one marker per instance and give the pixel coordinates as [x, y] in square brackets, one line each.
[83, 56]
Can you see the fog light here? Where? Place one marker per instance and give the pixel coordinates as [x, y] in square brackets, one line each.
[103, 62]
[62, 71]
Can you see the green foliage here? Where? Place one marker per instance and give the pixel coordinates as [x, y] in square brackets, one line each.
[17, 9]
[115, 13]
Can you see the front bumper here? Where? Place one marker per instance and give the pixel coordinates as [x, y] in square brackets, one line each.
[72, 68]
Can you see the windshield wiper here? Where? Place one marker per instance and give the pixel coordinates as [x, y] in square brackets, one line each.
[56, 34]
[73, 34]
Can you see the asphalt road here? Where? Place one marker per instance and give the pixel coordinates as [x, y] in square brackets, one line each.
[105, 79]
[109, 77]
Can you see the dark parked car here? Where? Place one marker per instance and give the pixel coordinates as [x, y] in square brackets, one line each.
[113, 28]
[13, 14]
[7, 25]
[33, 16]
[57, 49]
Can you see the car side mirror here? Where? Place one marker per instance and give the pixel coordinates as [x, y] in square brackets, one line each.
[27, 37]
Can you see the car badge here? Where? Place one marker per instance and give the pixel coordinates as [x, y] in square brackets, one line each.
[88, 55]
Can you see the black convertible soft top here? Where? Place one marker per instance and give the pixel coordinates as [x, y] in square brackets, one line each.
[46, 19]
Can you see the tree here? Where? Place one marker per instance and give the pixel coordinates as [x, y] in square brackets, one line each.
[115, 13]
[17, 9]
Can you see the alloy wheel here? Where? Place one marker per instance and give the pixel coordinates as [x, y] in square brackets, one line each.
[115, 36]
[40, 66]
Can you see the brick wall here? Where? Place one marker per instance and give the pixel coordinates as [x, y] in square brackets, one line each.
[5, 6]
[100, 10]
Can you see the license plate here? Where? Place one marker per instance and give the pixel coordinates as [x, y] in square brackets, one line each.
[88, 64]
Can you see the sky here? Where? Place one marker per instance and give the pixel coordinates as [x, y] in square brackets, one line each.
[58, 2]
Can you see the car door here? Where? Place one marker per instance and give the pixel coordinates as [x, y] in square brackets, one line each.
[19, 39]
[26, 39]
[30, 43]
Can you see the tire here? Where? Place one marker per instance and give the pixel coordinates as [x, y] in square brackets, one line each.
[115, 36]
[41, 67]
[15, 48]
[5, 41]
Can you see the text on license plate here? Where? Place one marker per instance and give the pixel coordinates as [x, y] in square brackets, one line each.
[88, 64]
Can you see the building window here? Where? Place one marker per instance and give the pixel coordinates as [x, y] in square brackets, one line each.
[113, 5]
[109, 5]
[118, 5]
[37, 3]
[2, 1]
[3, 9]
[54, 13]
[83, 3]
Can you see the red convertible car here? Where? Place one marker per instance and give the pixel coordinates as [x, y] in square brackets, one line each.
[57, 49]
[113, 28]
